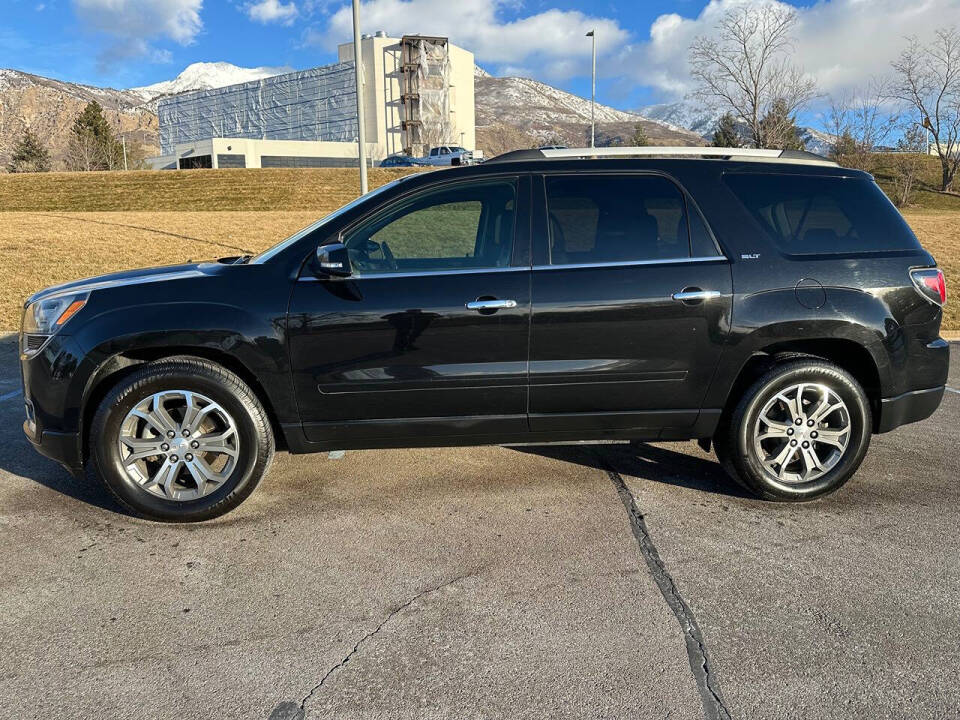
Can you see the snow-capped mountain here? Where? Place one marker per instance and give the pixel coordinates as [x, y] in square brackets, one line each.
[205, 76]
[687, 114]
[703, 120]
[515, 112]
[48, 107]
[511, 112]
[516, 99]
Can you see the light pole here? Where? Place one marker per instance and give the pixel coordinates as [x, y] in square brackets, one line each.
[361, 129]
[593, 91]
[123, 138]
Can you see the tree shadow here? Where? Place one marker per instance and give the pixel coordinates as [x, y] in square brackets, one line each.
[647, 462]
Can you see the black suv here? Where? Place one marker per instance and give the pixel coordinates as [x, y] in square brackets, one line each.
[774, 304]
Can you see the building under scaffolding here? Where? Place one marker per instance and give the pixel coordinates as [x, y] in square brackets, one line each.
[418, 93]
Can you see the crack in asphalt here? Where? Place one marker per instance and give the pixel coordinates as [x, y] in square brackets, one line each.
[290, 711]
[713, 706]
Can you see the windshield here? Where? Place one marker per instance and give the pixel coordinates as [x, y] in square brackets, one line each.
[284, 244]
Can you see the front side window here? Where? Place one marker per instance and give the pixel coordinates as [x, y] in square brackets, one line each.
[469, 226]
[615, 218]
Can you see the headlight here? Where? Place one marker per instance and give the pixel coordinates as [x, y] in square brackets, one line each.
[47, 316]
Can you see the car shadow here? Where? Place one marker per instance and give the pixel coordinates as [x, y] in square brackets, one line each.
[18, 457]
[647, 462]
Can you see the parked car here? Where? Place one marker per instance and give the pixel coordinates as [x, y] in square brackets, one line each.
[772, 305]
[400, 160]
[450, 155]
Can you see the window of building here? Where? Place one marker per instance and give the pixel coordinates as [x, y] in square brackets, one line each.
[462, 227]
[196, 162]
[295, 161]
[231, 161]
[615, 218]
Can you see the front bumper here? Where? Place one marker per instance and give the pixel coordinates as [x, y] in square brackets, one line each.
[63, 447]
[909, 407]
[53, 382]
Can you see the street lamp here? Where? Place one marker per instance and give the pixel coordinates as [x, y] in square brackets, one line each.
[361, 129]
[593, 91]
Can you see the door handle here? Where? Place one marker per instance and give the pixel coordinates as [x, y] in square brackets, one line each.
[482, 305]
[692, 295]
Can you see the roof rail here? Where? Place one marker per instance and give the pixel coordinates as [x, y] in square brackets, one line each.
[800, 157]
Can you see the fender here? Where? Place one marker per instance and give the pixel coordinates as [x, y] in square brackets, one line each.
[770, 321]
[255, 345]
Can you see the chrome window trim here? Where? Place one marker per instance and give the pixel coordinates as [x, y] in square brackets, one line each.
[631, 263]
[426, 273]
[525, 268]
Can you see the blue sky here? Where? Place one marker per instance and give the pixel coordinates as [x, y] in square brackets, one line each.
[126, 43]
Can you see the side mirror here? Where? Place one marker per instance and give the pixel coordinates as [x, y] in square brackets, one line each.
[334, 260]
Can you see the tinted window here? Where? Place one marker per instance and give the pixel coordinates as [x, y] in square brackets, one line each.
[231, 161]
[468, 226]
[610, 218]
[807, 214]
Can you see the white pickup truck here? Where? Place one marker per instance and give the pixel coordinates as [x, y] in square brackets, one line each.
[451, 155]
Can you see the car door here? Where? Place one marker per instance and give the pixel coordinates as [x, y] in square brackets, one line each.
[428, 336]
[631, 304]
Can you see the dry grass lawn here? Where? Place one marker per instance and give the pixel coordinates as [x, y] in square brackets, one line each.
[41, 249]
[38, 249]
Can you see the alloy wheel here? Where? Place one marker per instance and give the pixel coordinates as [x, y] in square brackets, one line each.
[802, 433]
[178, 445]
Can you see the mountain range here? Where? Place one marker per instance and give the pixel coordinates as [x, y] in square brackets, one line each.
[512, 112]
[693, 115]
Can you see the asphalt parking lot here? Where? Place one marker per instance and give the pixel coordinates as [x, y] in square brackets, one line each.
[588, 581]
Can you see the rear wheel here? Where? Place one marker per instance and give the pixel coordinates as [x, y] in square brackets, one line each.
[799, 432]
[181, 440]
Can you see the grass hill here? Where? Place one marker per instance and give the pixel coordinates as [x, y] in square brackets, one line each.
[193, 190]
[280, 189]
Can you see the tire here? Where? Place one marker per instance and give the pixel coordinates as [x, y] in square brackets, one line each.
[228, 420]
[754, 435]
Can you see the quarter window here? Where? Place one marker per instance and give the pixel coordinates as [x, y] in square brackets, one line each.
[463, 227]
[609, 218]
[814, 215]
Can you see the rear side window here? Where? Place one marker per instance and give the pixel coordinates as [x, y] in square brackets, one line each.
[804, 214]
[611, 218]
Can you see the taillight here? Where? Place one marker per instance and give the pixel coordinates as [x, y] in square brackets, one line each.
[931, 284]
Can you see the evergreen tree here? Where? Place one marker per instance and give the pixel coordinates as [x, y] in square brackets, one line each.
[93, 146]
[726, 134]
[29, 155]
[778, 129]
[639, 138]
[843, 147]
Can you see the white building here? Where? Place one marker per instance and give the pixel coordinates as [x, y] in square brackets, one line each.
[418, 94]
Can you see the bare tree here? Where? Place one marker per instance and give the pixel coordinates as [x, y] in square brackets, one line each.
[84, 153]
[928, 79]
[860, 122]
[748, 70]
[907, 163]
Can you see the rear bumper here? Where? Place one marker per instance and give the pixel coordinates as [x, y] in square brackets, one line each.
[909, 407]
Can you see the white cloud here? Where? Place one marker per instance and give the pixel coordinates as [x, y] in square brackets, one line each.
[177, 20]
[268, 11]
[841, 43]
[552, 40]
[135, 24]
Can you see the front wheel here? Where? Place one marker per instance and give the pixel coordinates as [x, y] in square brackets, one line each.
[181, 440]
[799, 432]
